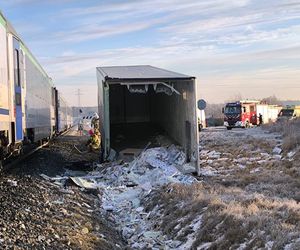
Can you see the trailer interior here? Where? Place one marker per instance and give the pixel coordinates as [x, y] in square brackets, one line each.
[138, 119]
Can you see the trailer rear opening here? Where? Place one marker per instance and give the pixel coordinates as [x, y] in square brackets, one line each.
[139, 103]
[135, 118]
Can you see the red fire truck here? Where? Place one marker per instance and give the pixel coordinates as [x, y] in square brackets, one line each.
[241, 114]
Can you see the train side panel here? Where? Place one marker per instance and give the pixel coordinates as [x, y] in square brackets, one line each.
[16, 90]
[62, 114]
[28, 111]
[65, 115]
[39, 104]
[5, 128]
[4, 89]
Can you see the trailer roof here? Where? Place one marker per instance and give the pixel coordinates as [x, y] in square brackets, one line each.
[140, 72]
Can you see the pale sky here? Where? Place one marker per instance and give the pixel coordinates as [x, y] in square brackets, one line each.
[234, 47]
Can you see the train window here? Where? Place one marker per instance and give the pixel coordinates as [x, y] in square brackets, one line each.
[252, 109]
[21, 68]
[18, 99]
[17, 68]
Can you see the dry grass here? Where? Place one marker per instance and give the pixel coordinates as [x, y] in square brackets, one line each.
[290, 131]
[230, 216]
[275, 178]
[274, 181]
[239, 207]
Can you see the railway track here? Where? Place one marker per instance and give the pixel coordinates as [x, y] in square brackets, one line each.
[12, 161]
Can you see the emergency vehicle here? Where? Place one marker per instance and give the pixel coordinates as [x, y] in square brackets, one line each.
[241, 114]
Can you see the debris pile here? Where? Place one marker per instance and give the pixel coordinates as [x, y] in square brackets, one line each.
[123, 187]
[128, 185]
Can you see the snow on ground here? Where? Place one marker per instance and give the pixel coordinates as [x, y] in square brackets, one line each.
[127, 185]
[224, 152]
[124, 186]
[247, 196]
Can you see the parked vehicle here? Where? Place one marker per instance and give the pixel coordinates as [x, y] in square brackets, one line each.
[201, 119]
[241, 114]
[244, 114]
[269, 112]
[289, 112]
[29, 102]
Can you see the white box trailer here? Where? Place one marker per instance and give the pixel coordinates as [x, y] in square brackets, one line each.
[137, 102]
[269, 112]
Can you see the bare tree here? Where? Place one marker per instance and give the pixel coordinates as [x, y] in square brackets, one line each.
[235, 98]
[272, 100]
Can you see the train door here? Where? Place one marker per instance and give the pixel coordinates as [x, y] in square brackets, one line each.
[17, 55]
[56, 106]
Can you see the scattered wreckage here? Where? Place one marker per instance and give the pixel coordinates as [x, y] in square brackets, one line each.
[123, 187]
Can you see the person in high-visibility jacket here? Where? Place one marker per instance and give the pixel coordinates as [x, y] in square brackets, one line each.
[94, 143]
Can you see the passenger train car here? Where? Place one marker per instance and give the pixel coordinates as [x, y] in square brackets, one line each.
[63, 113]
[31, 109]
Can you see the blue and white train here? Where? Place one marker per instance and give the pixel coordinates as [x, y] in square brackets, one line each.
[31, 108]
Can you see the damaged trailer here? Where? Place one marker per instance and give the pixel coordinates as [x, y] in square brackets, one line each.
[139, 102]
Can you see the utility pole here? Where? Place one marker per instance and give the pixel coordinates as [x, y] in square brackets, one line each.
[78, 96]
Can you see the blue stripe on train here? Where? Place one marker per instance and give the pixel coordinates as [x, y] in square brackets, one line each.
[4, 111]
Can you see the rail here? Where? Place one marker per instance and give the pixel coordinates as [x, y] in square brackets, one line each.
[22, 157]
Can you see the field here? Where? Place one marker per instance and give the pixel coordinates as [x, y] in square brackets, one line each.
[248, 195]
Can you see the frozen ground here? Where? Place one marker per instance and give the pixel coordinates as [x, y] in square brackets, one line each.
[247, 196]
[251, 159]
[124, 189]
[36, 213]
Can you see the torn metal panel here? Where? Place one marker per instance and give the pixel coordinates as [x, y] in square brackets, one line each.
[142, 87]
[165, 88]
[84, 183]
